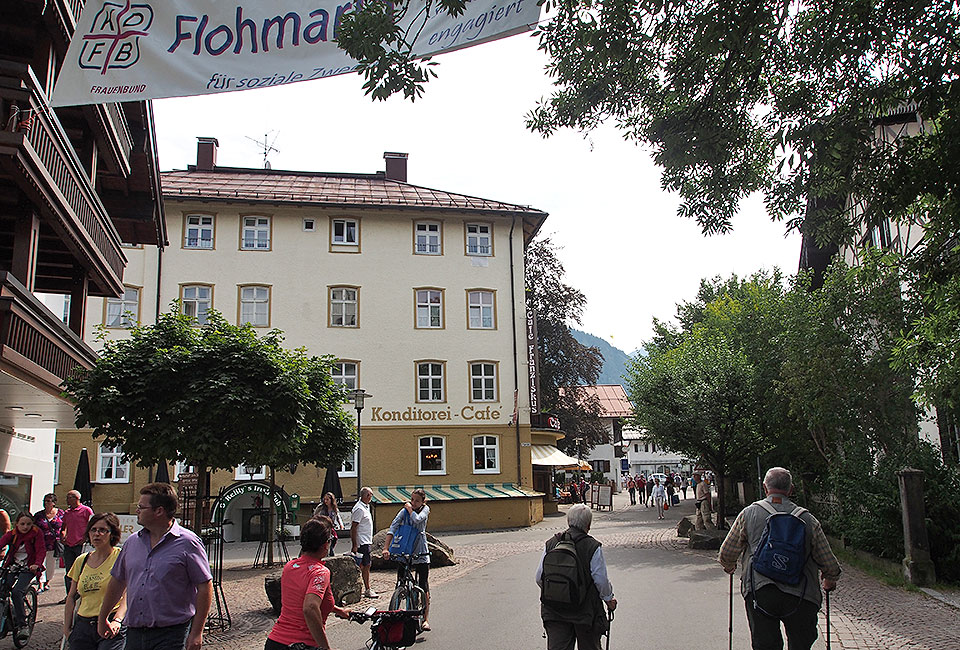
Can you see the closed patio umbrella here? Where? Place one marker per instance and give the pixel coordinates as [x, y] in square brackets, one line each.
[331, 483]
[82, 483]
[163, 474]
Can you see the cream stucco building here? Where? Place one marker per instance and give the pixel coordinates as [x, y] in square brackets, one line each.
[417, 292]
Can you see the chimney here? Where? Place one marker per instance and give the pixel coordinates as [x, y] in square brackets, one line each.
[396, 166]
[207, 153]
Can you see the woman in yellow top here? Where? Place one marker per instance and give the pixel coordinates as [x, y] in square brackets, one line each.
[90, 575]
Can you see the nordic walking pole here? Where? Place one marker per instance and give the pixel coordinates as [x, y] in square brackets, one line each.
[609, 625]
[730, 626]
[828, 619]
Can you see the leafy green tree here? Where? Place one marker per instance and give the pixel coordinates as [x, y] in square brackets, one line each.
[565, 363]
[215, 396]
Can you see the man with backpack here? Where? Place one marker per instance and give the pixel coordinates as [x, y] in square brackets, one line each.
[783, 548]
[574, 586]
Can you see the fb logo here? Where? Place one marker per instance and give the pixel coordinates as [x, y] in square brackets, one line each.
[114, 38]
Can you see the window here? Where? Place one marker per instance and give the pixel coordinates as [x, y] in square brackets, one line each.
[197, 300]
[428, 238]
[256, 234]
[430, 381]
[255, 306]
[429, 308]
[343, 307]
[309, 225]
[480, 310]
[478, 239]
[56, 463]
[250, 473]
[198, 231]
[345, 232]
[600, 465]
[345, 374]
[483, 382]
[636, 448]
[181, 467]
[124, 311]
[432, 455]
[66, 310]
[349, 466]
[486, 455]
[112, 467]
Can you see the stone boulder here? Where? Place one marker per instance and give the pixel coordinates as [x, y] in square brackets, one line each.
[707, 539]
[344, 577]
[686, 525]
[440, 553]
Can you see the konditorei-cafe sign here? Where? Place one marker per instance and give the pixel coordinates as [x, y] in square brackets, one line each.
[129, 51]
[415, 414]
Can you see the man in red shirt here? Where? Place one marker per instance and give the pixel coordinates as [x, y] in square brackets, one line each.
[74, 530]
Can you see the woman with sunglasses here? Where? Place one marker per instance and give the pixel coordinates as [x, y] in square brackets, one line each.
[90, 575]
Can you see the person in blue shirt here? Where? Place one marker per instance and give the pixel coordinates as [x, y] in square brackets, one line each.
[418, 512]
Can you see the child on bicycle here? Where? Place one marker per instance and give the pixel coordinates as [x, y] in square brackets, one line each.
[415, 511]
[24, 544]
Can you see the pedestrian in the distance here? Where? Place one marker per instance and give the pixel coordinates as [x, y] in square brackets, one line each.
[328, 508]
[50, 522]
[361, 536]
[632, 488]
[649, 498]
[73, 532]
[683, 486]
[165, 571]
[659, 495]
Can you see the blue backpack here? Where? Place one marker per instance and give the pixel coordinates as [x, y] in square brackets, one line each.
[781, 554]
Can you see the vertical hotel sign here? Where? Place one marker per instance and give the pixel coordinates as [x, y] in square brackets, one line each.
[131, 51]
[533, 362]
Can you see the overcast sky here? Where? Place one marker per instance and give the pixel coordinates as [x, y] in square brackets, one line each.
[622, 243]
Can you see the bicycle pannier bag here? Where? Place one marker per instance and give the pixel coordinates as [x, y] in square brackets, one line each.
[563, 581]
[397, 633]
[406, 537]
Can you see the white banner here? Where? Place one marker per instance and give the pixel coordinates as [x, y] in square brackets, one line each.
[126, 51]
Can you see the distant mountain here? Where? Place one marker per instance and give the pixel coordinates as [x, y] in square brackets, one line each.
[615, 360]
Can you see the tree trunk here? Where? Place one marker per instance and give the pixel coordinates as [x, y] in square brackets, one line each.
[721, 499]
[270, 519]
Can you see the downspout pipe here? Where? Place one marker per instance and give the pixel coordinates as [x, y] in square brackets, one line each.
[516, 366]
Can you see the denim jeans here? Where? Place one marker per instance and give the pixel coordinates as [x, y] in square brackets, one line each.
[84, 636]
[173, 637]
[19, 584]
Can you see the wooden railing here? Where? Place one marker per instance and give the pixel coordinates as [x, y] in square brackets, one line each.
[75, 200]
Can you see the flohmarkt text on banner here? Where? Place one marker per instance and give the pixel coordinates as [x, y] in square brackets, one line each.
[131, 51]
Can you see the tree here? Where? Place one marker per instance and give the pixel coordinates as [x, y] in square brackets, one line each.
[215, 396]
[565, 363]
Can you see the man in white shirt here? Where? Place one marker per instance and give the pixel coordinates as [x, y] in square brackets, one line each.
[361, 536]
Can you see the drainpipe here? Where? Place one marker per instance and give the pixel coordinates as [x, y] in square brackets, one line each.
[156, 316]
[513, 329]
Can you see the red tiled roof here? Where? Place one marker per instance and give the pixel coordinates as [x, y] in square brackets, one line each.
[316, 188]
[613, 400]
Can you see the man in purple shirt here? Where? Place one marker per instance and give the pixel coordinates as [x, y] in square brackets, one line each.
[167, 577]
[73, 532]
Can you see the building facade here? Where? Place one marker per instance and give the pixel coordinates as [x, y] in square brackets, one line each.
[76, 184]
[419, 295]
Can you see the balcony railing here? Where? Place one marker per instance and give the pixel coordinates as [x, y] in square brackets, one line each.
[57, 176]
[34, 341]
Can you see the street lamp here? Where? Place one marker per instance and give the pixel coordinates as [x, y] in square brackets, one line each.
[358, 396]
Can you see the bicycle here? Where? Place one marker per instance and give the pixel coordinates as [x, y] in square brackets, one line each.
[389, 629]
[407, 595]
[7, 618]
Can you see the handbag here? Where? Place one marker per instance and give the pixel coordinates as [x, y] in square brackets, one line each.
[405, 537]
[676, 499]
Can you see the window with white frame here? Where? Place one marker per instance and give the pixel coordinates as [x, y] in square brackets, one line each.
[255, 306]
[429, 308]
[483, 382]
[486, 455]
[198, 231]
[478, 239]
[349, 466]
[430, 381]
[428, 238]
[112, 468]
[309, 224]
[124, 311]
[343, 307]
[56, 463]
[197, 299]
[433, 455]
[480, 308]
[345, 232]
[344, 374]
[250, 473]
[256, 234]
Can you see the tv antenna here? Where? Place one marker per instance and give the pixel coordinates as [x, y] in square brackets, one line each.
[267, 145]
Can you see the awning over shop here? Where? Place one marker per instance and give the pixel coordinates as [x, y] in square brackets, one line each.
[550, 455]
[455, 492]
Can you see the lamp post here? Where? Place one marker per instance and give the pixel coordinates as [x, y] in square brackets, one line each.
[358, 396]
[579, 440]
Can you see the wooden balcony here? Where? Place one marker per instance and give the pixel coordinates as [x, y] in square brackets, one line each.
[35, 346]
[40, 159]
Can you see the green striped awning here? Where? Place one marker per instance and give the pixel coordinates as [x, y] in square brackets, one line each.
[452, 492]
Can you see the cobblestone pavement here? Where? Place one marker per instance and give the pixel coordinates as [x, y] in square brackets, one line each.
[865, 614]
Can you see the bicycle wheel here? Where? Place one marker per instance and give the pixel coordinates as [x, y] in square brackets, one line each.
[415, 599]
[399, 598]
[30, 611]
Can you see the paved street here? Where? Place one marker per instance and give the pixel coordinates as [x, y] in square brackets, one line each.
[670, 597]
